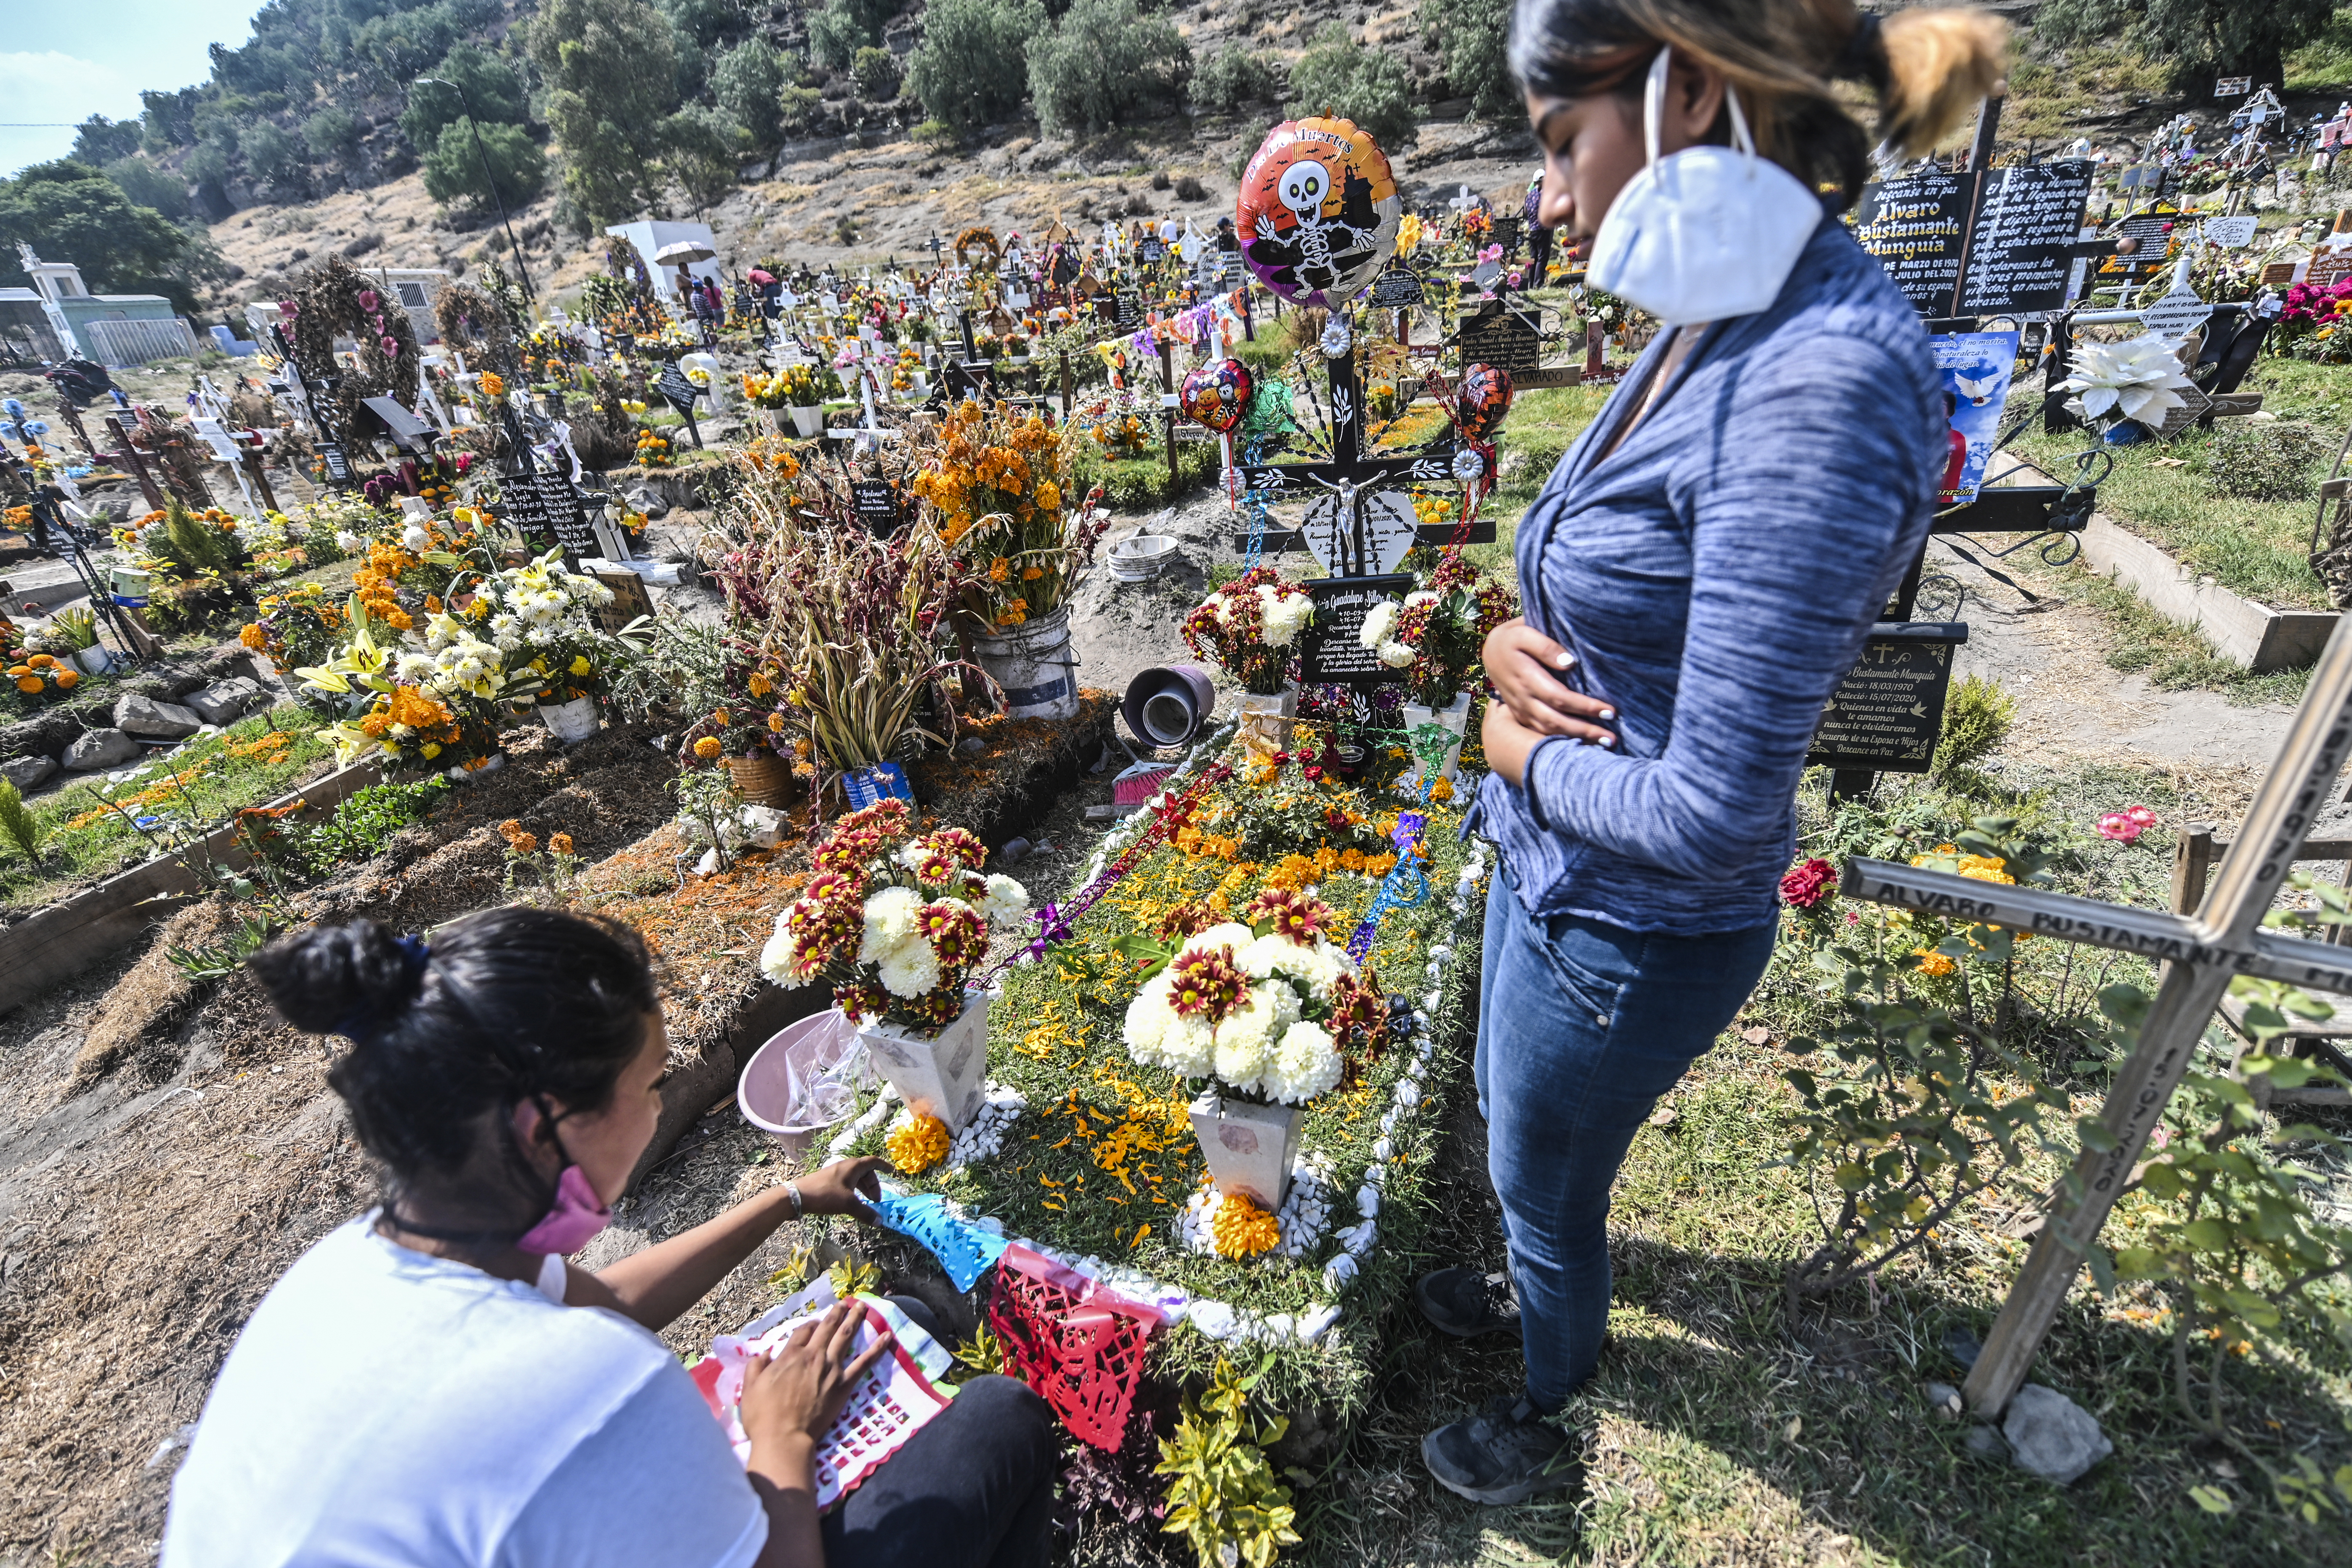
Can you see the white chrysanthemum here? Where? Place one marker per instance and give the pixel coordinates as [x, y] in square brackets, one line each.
[776, 957]
[1245, 1041]
[910, 969]
[1227, 933]
[1314, 967]
[415, 540]
[1005, 902]
[1148, 1017]
[1395, 655]
[504, 625]
[1419, 597]
[348, 542]
[1188, 1049]
[1379, 622]
[889, 920]
[1287, 611]
[413, 669]
[1305, 1063]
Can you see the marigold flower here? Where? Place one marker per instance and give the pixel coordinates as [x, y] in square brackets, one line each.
[1240, 1229]
[28, 684]
[707, 747]
[1933, 964]
[252, 636]
[917, 1145]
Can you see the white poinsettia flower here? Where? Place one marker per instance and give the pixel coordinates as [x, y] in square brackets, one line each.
[2137, 380]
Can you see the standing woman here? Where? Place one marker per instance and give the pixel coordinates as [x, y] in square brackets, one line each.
[1698, 573]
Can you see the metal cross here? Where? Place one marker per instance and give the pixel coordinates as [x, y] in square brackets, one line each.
[2201, 954]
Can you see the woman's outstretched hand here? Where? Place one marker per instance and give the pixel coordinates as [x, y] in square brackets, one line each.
[1526, 668]
[792, 1394]
[837, 1188]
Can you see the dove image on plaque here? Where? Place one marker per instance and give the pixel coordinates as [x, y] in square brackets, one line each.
[1318, 211]
[1975, 368]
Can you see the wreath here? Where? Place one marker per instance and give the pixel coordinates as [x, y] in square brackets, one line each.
[476, 325]
[336, 299]
[982, 237]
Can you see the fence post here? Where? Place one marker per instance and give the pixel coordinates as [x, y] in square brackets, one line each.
[1168, 386]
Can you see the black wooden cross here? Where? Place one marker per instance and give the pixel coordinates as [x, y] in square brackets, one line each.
[1350, 477]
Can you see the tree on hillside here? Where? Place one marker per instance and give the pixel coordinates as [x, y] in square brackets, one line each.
[99, 141]
[453, 170]
[699, 148]
[746, 82]
[1367, 86]
[1471, 38]
[611, 81]
[332, 132]
[1234, 78]
[706, 21]
[2198, 38]
[971, 68]
[277, 155]
[490, 87]
[70, 212]
[145, 186]
[1102, 63]
[843, 27]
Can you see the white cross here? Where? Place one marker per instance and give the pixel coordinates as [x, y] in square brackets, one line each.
[1464, 203]
[2201, 954]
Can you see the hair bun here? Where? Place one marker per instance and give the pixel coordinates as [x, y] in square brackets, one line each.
[328, 979]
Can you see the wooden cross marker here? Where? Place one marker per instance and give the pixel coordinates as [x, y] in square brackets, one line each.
[2201, 953]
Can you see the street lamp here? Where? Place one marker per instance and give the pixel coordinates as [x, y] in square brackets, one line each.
[474, 125]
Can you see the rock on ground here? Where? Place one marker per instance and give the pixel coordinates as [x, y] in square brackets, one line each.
[26, 772]
[153, 720]
[95, 749]
[224, 701]
[2051, 1435]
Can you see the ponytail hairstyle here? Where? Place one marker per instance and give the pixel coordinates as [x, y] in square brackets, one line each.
[506, 1006]
[1927, 67]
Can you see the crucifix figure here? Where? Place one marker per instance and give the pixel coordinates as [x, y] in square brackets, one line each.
[2201, 954]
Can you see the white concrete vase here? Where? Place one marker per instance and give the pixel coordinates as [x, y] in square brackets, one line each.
[1249, 1147]
[942, 1076]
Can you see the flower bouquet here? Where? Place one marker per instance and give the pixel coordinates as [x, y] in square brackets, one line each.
[897, 922]
[1437, 636]
[1001, 501]
[41, 676]
[1244, 1009]
[540, 617]
[1249, 628]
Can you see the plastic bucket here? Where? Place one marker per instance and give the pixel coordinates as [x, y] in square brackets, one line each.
[1166, 706]
[1139, 559]
[806, 1078]
[1034, 665]
[574, 722]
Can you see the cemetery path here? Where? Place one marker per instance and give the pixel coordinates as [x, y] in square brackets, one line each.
[2050, 653]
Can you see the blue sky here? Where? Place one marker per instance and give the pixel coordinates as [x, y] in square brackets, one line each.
[64, 60]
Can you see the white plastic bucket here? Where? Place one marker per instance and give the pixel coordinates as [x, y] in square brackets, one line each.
[1139, 559]
[574, 722]
[1035, 665]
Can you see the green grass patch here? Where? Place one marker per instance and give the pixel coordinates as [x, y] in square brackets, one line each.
[2325, 64]
[218, 775]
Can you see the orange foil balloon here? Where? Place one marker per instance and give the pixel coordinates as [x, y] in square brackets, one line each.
[1318, 211]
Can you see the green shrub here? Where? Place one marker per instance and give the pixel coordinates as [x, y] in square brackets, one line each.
[453, 168]
[2266, 462]
[876, 74]
[1103, 64]
[1234, 78]
[797, 108]
[365, 821]
[1370, 87]
[1976, 717]
[1134, 484]
[1222, 1496]
[971, 68]
[1469, 37]
[17, 824]
[746, 82]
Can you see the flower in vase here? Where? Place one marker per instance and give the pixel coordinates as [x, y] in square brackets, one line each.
[909, 970]
[1294, 916]
[2137, 380]
[890, 919]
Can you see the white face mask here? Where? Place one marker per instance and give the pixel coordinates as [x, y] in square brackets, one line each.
[1707, 234]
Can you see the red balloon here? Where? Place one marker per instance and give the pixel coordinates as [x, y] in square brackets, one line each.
[1217, 395]
[1485, 398]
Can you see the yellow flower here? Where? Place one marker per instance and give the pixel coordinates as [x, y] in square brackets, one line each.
[1030, 573]
[580, 664]
[560, 843]
[759, 684]
[1241, 1229]
[1442, 791]
[1933, 964]
[999, 569]
[776, 723]
[916, 1146]
[720, 715]
[707, 747]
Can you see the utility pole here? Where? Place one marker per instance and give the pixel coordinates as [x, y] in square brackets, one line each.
[474, 125]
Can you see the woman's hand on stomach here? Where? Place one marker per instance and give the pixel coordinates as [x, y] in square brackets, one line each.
[1525, 668]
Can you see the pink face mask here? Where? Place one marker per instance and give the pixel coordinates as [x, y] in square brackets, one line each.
[574, 1217]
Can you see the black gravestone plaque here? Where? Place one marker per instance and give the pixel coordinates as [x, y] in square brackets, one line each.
[1507, 339]
[1888, 712]
[1152, 250]
[1915, 226]
[337, 462]
[676, 390]
[545, 506]
[2023, 248]
[1127, 310]
[1398, 287]
[1329, 650]
[876, 504]
[412, 434]
[2150, 234]
[1506, 233]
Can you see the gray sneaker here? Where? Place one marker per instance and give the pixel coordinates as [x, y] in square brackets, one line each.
[1466, 1303]
[1505, 1454]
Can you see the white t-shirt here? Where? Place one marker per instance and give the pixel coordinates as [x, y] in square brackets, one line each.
[388, 1409]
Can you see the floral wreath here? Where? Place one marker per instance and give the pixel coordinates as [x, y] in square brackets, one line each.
[337, 300]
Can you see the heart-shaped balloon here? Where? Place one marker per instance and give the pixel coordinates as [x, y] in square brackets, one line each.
[1485, 397]
[1217, 395]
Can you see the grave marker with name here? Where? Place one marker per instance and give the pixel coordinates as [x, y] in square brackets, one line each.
[875, 502]
[2151, 236]
[545, 504]
[1916, 227]
[1330, 650]
[1506, 338]
[1888, 714]
[1127, 310]
[1398, 287]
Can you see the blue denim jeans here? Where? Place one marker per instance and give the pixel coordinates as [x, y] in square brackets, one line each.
[1581, 1026]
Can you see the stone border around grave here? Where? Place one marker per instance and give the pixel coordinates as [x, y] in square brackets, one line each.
[69, 937]
[2250, 634]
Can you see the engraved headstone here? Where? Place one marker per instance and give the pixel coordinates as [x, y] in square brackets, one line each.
[1331, 649]
[1888, 714]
